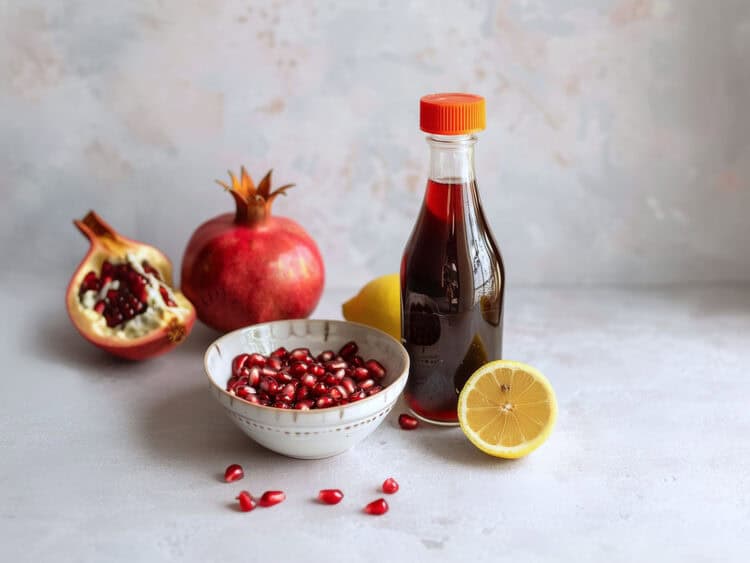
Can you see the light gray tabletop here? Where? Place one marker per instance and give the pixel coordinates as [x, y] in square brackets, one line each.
[102, 460]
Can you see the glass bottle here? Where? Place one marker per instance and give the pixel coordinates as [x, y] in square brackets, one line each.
[452, 274]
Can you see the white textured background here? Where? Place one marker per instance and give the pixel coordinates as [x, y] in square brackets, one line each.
[617, 148]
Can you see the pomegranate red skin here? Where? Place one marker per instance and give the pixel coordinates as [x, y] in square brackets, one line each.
[158, 342]
[241, 274]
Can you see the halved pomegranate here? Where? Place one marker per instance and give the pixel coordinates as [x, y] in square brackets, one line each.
[120, 297]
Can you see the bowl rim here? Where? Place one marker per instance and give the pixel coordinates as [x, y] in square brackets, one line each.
[404, 374]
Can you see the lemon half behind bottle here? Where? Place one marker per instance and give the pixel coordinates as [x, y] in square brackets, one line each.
[378, 304]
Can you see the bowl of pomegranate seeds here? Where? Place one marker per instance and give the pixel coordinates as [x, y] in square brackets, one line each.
[307, 388]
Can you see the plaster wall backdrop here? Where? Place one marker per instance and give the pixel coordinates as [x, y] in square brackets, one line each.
[617, 148]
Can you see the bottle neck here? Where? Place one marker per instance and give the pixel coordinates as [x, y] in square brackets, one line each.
[451, 158]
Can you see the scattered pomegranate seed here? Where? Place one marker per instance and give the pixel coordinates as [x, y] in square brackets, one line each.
[233, 473]
[407, 421]
[377, 507]
[247, 502]
[330, 496]
[271, 498]
[390, 486]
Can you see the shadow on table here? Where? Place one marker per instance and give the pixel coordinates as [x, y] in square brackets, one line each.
[451, 445]
[446, 443]
[58, 341]
[188, 426]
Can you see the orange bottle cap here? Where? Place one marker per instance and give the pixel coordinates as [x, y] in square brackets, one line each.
[452, 113]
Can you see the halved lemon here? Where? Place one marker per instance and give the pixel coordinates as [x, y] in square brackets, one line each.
[507, 409]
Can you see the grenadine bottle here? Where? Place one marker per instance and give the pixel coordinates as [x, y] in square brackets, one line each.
[452, 274]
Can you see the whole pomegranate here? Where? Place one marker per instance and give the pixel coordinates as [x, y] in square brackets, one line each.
[251, 267]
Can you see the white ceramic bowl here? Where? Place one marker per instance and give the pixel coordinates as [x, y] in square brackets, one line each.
[316, 433]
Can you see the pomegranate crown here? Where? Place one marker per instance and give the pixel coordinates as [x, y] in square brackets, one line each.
[253, 203]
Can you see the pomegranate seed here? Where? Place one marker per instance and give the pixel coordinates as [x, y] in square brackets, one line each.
[366, 384]
[358, 361]
[269, 385]
[244, 391]
[357, 396]
[407, 421]
[257, 360]
[377, 507]
[266, 371]
[320, 389]
[279, 404]
[247, 502]
[324, 402]
[375, 368]
[330, 496]
[360, 374]
[233, 473]
[349, 350]
[299, 354]
[335, 364]
[302, 393]
[341, 389]
[304, 405]
[280, 353]
[239, 362]
[90, 281]
[253, 399]
[283, 377]
[330, 379]
[165, 296]
[253, 376]
[335, 394]
[289, 389]
[326, 356]
[317, 370]
[298, 368]
[308, 380]
[390, 486]
[348, 384]
[374, 390]
[274, 363]
[271, 498]
[99, 307]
